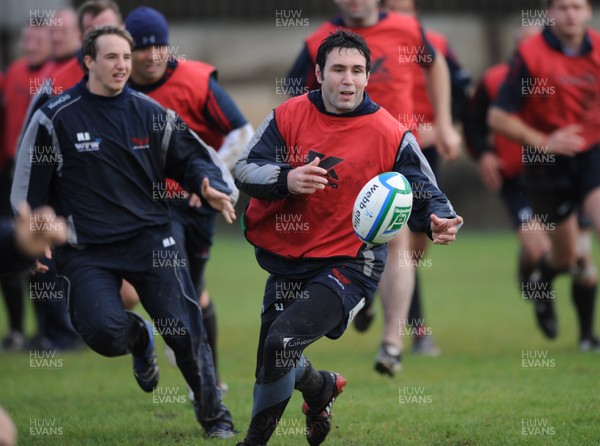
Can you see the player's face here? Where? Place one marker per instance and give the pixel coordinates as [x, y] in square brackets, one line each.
[570, 17]
[149, 64]
[357, 11]
[401, 6]
[106, 17]
[66, 38]
[343, 80]
[111, 68]
[37, 48]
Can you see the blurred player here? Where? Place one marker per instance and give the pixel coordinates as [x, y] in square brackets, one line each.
[501, 166]
[423, 342]
[333, 272]
[22, 79]
[110, 157]
[66, 39]
[398, 43]
[190, 88]
[553, 85]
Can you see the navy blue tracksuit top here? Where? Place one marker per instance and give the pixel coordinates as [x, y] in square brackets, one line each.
[101, 162]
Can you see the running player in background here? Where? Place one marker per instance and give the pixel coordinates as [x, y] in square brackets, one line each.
[424, 126]
[550, 103]
[397, 43]
[110, 157]
[21, 80]
[190, 88]
[501, 166]
[331, 271]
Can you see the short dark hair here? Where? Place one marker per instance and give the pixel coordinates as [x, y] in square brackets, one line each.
[89, 41]
[342, 38]
[95, 8]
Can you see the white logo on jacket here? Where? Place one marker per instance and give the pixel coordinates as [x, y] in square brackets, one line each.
[85, 143]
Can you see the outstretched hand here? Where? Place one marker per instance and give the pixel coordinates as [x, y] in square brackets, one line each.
[218, 200]
[443, 230]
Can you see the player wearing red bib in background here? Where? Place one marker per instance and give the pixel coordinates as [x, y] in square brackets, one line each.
[320, 273]
[190, 88]
[554, 87]
[423, 123]
[397, 44]
[501, 166]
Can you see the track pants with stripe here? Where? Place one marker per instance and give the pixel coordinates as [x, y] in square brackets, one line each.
[155, 266]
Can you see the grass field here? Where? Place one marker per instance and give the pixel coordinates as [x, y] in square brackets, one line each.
[478, 392]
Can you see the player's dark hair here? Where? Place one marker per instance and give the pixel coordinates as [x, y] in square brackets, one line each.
[89, 41]
[95, 8]
[343, 38]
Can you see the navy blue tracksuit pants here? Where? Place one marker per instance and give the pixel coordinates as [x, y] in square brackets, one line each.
[157, 269]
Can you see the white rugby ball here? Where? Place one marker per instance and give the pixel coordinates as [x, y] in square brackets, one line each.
[382, 207]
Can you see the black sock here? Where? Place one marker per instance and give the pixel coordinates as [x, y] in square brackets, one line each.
[319, 398]
[311, 384]
[525, 269]
[584, 299]
[209, 317]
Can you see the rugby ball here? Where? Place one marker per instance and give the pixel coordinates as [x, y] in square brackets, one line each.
[382, 207]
